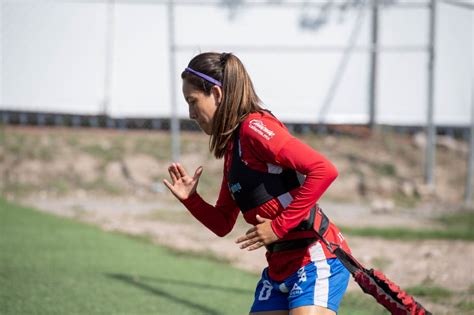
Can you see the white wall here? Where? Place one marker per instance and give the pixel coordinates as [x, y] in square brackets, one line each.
[52, 56]
[53, 59]
[455, 64]
[140, 71]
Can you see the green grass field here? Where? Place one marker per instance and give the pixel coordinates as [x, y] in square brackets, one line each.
[457, 226]
[50, 265]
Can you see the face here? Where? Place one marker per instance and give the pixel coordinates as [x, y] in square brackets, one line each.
[202, 107]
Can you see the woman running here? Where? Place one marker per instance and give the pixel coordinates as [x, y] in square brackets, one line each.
[270, 176]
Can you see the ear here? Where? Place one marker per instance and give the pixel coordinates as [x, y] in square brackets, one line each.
[218, 94]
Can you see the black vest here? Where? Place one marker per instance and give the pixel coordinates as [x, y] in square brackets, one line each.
[251, 188]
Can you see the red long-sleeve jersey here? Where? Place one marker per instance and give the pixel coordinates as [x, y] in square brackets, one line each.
[266, 145]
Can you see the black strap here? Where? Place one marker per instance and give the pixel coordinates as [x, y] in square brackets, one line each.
[291, 245]
[306, 225]
[348, 261]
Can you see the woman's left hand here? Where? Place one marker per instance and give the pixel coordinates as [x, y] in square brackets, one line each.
[260, 235]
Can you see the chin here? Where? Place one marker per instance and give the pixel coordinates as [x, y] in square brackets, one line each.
[205, 128]
[207, 131]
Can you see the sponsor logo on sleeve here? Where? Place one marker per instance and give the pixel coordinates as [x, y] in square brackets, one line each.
[259, 127]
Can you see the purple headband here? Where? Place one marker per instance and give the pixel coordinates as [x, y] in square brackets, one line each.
[204, 76]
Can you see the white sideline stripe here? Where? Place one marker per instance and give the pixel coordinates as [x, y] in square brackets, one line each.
[285, 199]
[321, 287]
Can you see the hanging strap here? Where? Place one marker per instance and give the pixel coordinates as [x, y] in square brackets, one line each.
[375, 283]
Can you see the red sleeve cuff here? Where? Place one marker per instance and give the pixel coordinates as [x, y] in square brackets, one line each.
[192, 200]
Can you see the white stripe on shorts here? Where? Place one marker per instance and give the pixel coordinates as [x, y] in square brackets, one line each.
[321, 287]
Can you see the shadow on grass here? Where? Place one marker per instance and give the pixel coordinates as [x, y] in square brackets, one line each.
[139, 282]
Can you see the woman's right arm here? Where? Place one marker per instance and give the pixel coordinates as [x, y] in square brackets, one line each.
[220, 218]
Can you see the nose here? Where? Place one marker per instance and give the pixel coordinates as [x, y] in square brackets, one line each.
[192, 113]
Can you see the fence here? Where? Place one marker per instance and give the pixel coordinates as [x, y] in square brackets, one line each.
[116, 63]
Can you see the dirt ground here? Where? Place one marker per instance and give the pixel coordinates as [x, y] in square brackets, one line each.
[112, 179]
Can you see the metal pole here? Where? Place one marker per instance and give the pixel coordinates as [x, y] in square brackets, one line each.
[2, 35]
[175, 141]
[430, 126]
[109, 44]
[373, 64]
[470, 162]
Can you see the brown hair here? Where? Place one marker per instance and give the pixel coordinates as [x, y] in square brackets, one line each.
[239, 97]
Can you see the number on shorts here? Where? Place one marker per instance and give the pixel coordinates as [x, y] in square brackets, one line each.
[265, 291]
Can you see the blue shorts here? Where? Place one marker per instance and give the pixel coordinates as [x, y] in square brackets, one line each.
[321, 283]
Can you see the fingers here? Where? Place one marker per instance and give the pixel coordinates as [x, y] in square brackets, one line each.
[252, 244]
[172, 188]
[251, 240]
[256, 245]
[198, 173]
[260, 235]
[248, 236]
[180, 169]
[176, 172]
[172, 174]
[169, 185]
